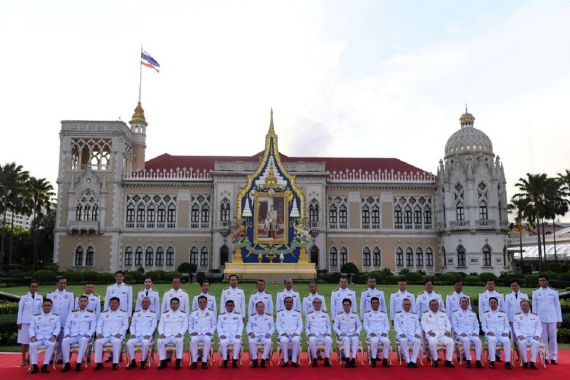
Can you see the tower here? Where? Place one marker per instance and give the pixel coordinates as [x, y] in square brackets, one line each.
[138, 127]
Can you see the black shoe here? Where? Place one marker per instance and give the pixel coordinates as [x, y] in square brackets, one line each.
[434, 364]
[468, 364]
[45, 368]
[98, 366]
[34, 369]
[285, 364]
[409, 365]
[178, 364]
[545, 361]
[77, 367]
[60, 361]
[225, 363]
[449, 364]
[498, 358]
[353, 363]
[143, 364]
[194, 365]
[532, 365]
[234, 363]
[204, 365]
[254, 363]
[328, 362]
[109, 359]
[385, 363]
[262, 363]
[347, 363]
[314, 362]
[295, 364]
[132, 364]
[492, 365]
[508, 365]
[478, 364]
[66, 367]
[551, 362]
[373, 363]
[115, 366]
[525, 365]
[162, 364]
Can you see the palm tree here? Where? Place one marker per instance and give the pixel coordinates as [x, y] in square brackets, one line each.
[518, 207]
[39, 201]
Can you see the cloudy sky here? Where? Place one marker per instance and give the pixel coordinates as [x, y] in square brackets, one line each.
[345, 78]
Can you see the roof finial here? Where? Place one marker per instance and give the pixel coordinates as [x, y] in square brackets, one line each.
[466, 108]
[271, 120]
[466, 120]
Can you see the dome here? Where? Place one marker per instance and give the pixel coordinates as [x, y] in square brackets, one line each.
[468, 139]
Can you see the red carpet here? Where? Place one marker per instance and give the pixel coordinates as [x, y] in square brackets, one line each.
[10, 369]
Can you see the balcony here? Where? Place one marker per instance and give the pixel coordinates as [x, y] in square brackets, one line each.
[83, 227]
[457, 224]
[485, 223]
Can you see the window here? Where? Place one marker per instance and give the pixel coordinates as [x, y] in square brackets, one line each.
[195, 216]
[419, 257]
[418, 217]
[398, 217]
[87, 209]
[149, 257]
[483, 215]
[409, 257]
[170, 257]
[138, 257]
[313, 213]
[399, 257]
[461, 259]
[337, 212]
[200, 211]
[225, 212]
[429, 257]
[159, 257]
[204, 257]
[161, 216]
[343, 256]
[89, 256]
[94, 154]
[407, 217]
[140, 215]
[375, 217]
[487, 256]
[333, 218]
[145, 210]
[333, 257]
[78, 256]
[128, 257]
[366, 257]
[150, 216]
[194, 256]
[171, 217]
[365, 217]
[342, 217]
[376, 259]
[205, 216]
[459, 212]
[427, 217]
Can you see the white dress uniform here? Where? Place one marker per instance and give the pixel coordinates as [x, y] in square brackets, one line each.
[201, 322]
[171, 324]
[28, 306]
[238, 296]
[93, 303]
[513, 306]
[111, 323]
[528, 326]
[289, 322]
[439, 324]
[546, 304]
[465, 322]
[260, 325]
[336, 301]
[318, 324]
[377, 322]
[279, 305]
[308, 303]
[349, 324]
[43, 327]
[407, 326]
[484, 297]
[365, 298]
[80, 326]
[183, 298]
[62, 304]
[423, 300]
[154, 297]
[143, 324]
[210, 302]
[259, 297]
[230, 325]
[396, 299]
[125, 295]
[496, 321]
[452, 303]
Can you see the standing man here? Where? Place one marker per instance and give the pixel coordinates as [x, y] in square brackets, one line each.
[230, 330]
[486, 294]
[397, 298]
[452, 300]
[288, 292]
[546, 304]
[437, 328]
[179, 294]
[94, 303]
[111, 328]
[367, 295]
[408, 330]
[202, 327]
[289, 327]
[171, 329]
[347, 327]
[142, 330]
[513, 303]
[122, 291]
[377, 327]
[308, 300]
[79, 329]
[260, 295]
[424, 299]
[43, 332]
[260, 329]
[527, 328]
[63, 303]
[466, 328]
[318, 330]
[152, 295]
[235, 294]
[205, 291]
[495, 325]
[337, 297]
[29, 305]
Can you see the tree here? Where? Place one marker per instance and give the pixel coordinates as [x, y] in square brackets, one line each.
[518, 207]
[39, 197]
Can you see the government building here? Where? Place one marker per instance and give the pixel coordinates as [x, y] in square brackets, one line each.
[118, 210]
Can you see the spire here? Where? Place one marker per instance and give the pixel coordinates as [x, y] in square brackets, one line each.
[271, 128]
[467, 119]
[138, 116]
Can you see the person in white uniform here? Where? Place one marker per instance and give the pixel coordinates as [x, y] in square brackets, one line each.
[63, 303]
[171, 329]
[337, 297]
[79, 329]
[260, 295]
[43, 332]
[153, 295]
[347, 328]
[122, 291]
[260, 329]
[205, 291]
[437, 329]
[289, 327]
[527, 328]
[318, 330]
[235, 294]
[29, 305]
[142, 329]
[367, 295]
[397, 298]
[495, 326]
[452, 300]
[513, 303]
[546, 304]
[408, 330]
[111, 328]
[423, 300]
[230, 331]
[176, 292]
[377, 327]
[202, 325]
[288, 292]
[466, 329]
[94, 303]
[486, 294]
[308, 300]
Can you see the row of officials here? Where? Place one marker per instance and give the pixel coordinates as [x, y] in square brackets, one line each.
[62, 321]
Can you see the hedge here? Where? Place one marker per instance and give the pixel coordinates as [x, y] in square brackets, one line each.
[7, 307]
[8, 329]
[45, 276]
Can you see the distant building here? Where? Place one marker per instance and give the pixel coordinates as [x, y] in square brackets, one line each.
[20, 220]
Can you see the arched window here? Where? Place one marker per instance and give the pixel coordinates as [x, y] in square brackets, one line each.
[376, 258]
[95, 212]
[461, 259]
[86, 209]
[128, 257]
[161, 216]
[195, 216]
[130, 217]
[427, 217]
[487, 256]
[205, 216]
[313, 213]
[90, 256]
[138, 257]
[343, 217]
[140, 215]
[429, 257]
[315, 255]
[225, 212]
[78, 212]
[150, 216]
[398, 217]
[194, 256]
[459, 211]
[365, 217]
[170, 257]
[419, 257]
[78, 256]
[343, 256]
[366, 259]
[159, 257]
[409, 257]
[204, 257]
[333, 257]
[333, 216]
[483, 213]
[224, 254]
[399, 257]
[375, 217]
[407, 217]
[171, 216]
[149, 257]
[418, 217]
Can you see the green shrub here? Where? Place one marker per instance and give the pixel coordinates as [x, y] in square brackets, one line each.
[565, 306]
[414, 277]
[89, 276]
[45, 276]
[563, 335]
[200, 277]
[530, 281]
[168, 276]
[8, 307]
[486, 276]
[391, 279]
[134, 277]
[8, 329]
[74, 277]
[350, 268]
[449, 278]
[187, 268]
[472, 280]
[105, 278]
[155, 275]
[361, 278]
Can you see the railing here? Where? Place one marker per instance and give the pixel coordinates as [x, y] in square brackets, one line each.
[83, 227]
[485, 223]
[459, 223]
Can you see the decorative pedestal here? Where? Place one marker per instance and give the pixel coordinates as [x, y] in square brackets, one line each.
[271, 271]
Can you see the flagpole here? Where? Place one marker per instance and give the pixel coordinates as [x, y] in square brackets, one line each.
[140, 74]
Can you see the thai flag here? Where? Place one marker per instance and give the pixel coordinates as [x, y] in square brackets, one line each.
[148, 61]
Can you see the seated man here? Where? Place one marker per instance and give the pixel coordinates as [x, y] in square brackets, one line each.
[171, 329]
[466, 329]
[43, 332]
[230, 330]
[260, 329]
[142, 330]
[201, 328]
[437, 329]
[377, 327]
[289, 327]
[347, 327]
[318, 330]
[495, 325]
[79, 329]
[408, 330]
[111, 328]
[527, 329]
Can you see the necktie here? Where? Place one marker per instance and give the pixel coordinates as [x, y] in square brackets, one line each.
[33, 296]
[147, 293]
[516, 296]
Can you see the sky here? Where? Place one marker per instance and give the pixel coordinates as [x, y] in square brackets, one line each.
[344, 78]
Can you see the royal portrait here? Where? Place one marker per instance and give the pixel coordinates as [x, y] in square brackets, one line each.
[270, 219]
